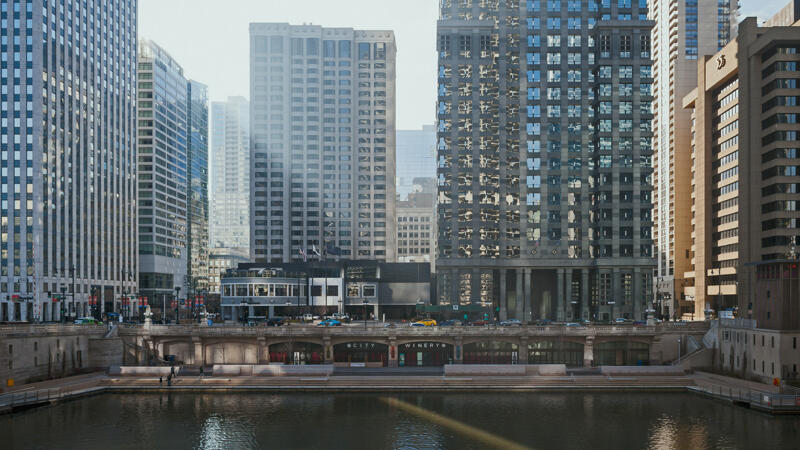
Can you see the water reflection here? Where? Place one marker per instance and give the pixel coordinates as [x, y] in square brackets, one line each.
[257, 420]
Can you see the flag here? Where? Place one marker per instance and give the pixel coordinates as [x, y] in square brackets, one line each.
[303, 254]
[314, 250]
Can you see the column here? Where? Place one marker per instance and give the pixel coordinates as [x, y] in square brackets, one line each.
[560, 304]
[392, 352]
[588, 352]
[458, 351]
[526, 299]
[616, 295]
[271, 311]
[375, 311]
[23, 311]
[570, 310]
[2, 314]
[638, 296]
[522, 356]
[327, 350]
[585, 294]
[503, 295]
[251, 311]
[199, 359]
[520, 295]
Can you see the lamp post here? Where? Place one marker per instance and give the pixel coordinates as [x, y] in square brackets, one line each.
[72, 305]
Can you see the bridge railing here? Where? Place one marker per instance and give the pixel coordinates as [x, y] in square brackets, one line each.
[32, 396]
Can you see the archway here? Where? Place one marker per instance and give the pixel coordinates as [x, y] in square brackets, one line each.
[296, 353]
[491, 352]
[556, 352]
[621, 353]
[419, 354]
[361, 354]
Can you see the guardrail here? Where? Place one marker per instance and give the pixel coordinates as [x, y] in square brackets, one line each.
[766, 400]
[13, 399]
[49, 328]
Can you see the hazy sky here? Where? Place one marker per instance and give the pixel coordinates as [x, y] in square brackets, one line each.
[209, 38]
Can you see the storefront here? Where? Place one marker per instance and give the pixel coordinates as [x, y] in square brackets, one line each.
[296, 353]
[418, 354]
[556, 352]
[621, 353]
[361, 354]
[491, 352]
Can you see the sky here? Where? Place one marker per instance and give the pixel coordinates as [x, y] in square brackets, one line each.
[209, 38]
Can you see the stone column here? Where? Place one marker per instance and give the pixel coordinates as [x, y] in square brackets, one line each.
[376, 311]
[503, 295]
[526, 299]
[251, 311]
[520, 295]
[570, 310]
[23, 311]
[327, 350]
[560, 304]
[392, 352]
[616, 294]
[588, 352]
[458, 351]
[271, 312]
[638, 295]
[522, 356]
[199, 355]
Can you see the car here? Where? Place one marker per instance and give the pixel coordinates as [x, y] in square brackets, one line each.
[572, 324]
[329, 323]
[448, 323]
[87, 321]
[620, 320]
[388, 325]
[277, 321]
[427, 322]
[544, 322]
[416, 324]
[307, 317]
[640, 323]
[510, 323]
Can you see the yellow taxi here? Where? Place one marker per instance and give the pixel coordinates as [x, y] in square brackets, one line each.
[427, 322]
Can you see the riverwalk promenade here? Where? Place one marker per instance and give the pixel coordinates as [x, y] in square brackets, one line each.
[739, 392]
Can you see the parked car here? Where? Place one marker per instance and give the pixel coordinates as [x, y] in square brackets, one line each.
[544, 322]
[510, 323]
[416, 324]
[640, 323]
[307, 317]
[572, 324]
[329, 323]
[479, 323]
[620, 320]
[277, 321]
[388, 325]
[87, 321]
[448, 323]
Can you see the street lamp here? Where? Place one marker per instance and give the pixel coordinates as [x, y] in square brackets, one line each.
[177, 304]
[366, 302]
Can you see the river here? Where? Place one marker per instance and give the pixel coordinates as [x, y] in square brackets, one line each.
[573, 420]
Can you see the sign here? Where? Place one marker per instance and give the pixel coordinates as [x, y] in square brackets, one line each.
[455, 307]
[358, 364]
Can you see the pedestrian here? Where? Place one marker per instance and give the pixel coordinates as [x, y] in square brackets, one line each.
[201, 370]
[172, 370]
[160, 381]
[169, 380]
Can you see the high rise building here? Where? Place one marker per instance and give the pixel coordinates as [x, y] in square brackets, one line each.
[544, 145]
[416, 223]
[322, 142]
[745, 181]
[230, 174]
[683, 30]
[416, 158]
[197, 181]
[163, 131]
[67, 154]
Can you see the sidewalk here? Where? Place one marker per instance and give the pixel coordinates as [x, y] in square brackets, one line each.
[72, 383]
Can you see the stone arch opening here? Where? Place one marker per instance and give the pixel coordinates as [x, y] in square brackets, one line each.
[361, 354]
[424, 353]
[491, 352]
[621, 353]
[296, 353]
[557, 351]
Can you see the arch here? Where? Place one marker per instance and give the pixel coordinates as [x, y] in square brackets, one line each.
[443, 340]
[231, 352]
[621, 353]
[556, 351]
[420, 352]
[507, 339]
[368, 353]
[181, 350]
[296, 352]
[495, 351]
[346, 339]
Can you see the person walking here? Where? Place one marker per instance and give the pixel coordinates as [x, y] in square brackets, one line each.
[169, 380]
[160, 381]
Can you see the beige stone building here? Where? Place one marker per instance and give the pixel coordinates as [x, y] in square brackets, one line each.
[744, 181]
[416, 224]
[683, 30]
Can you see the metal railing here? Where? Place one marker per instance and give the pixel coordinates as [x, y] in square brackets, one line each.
[27, 397]
[763, 399]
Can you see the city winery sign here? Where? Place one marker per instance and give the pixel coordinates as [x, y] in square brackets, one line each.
[424, 346]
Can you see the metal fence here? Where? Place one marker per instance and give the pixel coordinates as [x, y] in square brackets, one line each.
[766, 400]
[28, 397]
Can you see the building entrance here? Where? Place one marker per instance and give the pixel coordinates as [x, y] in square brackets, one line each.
[418, 354]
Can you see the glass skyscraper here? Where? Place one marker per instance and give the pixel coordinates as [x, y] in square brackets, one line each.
[416, 158]
[322, 142]
[544, 168]
[197, 180]
[67, 156]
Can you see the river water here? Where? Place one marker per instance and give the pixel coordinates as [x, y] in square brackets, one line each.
[429, 420]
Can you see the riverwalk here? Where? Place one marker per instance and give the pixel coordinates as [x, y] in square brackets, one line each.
[739, 392]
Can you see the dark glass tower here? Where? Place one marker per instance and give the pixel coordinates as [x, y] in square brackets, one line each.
[544, 158]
